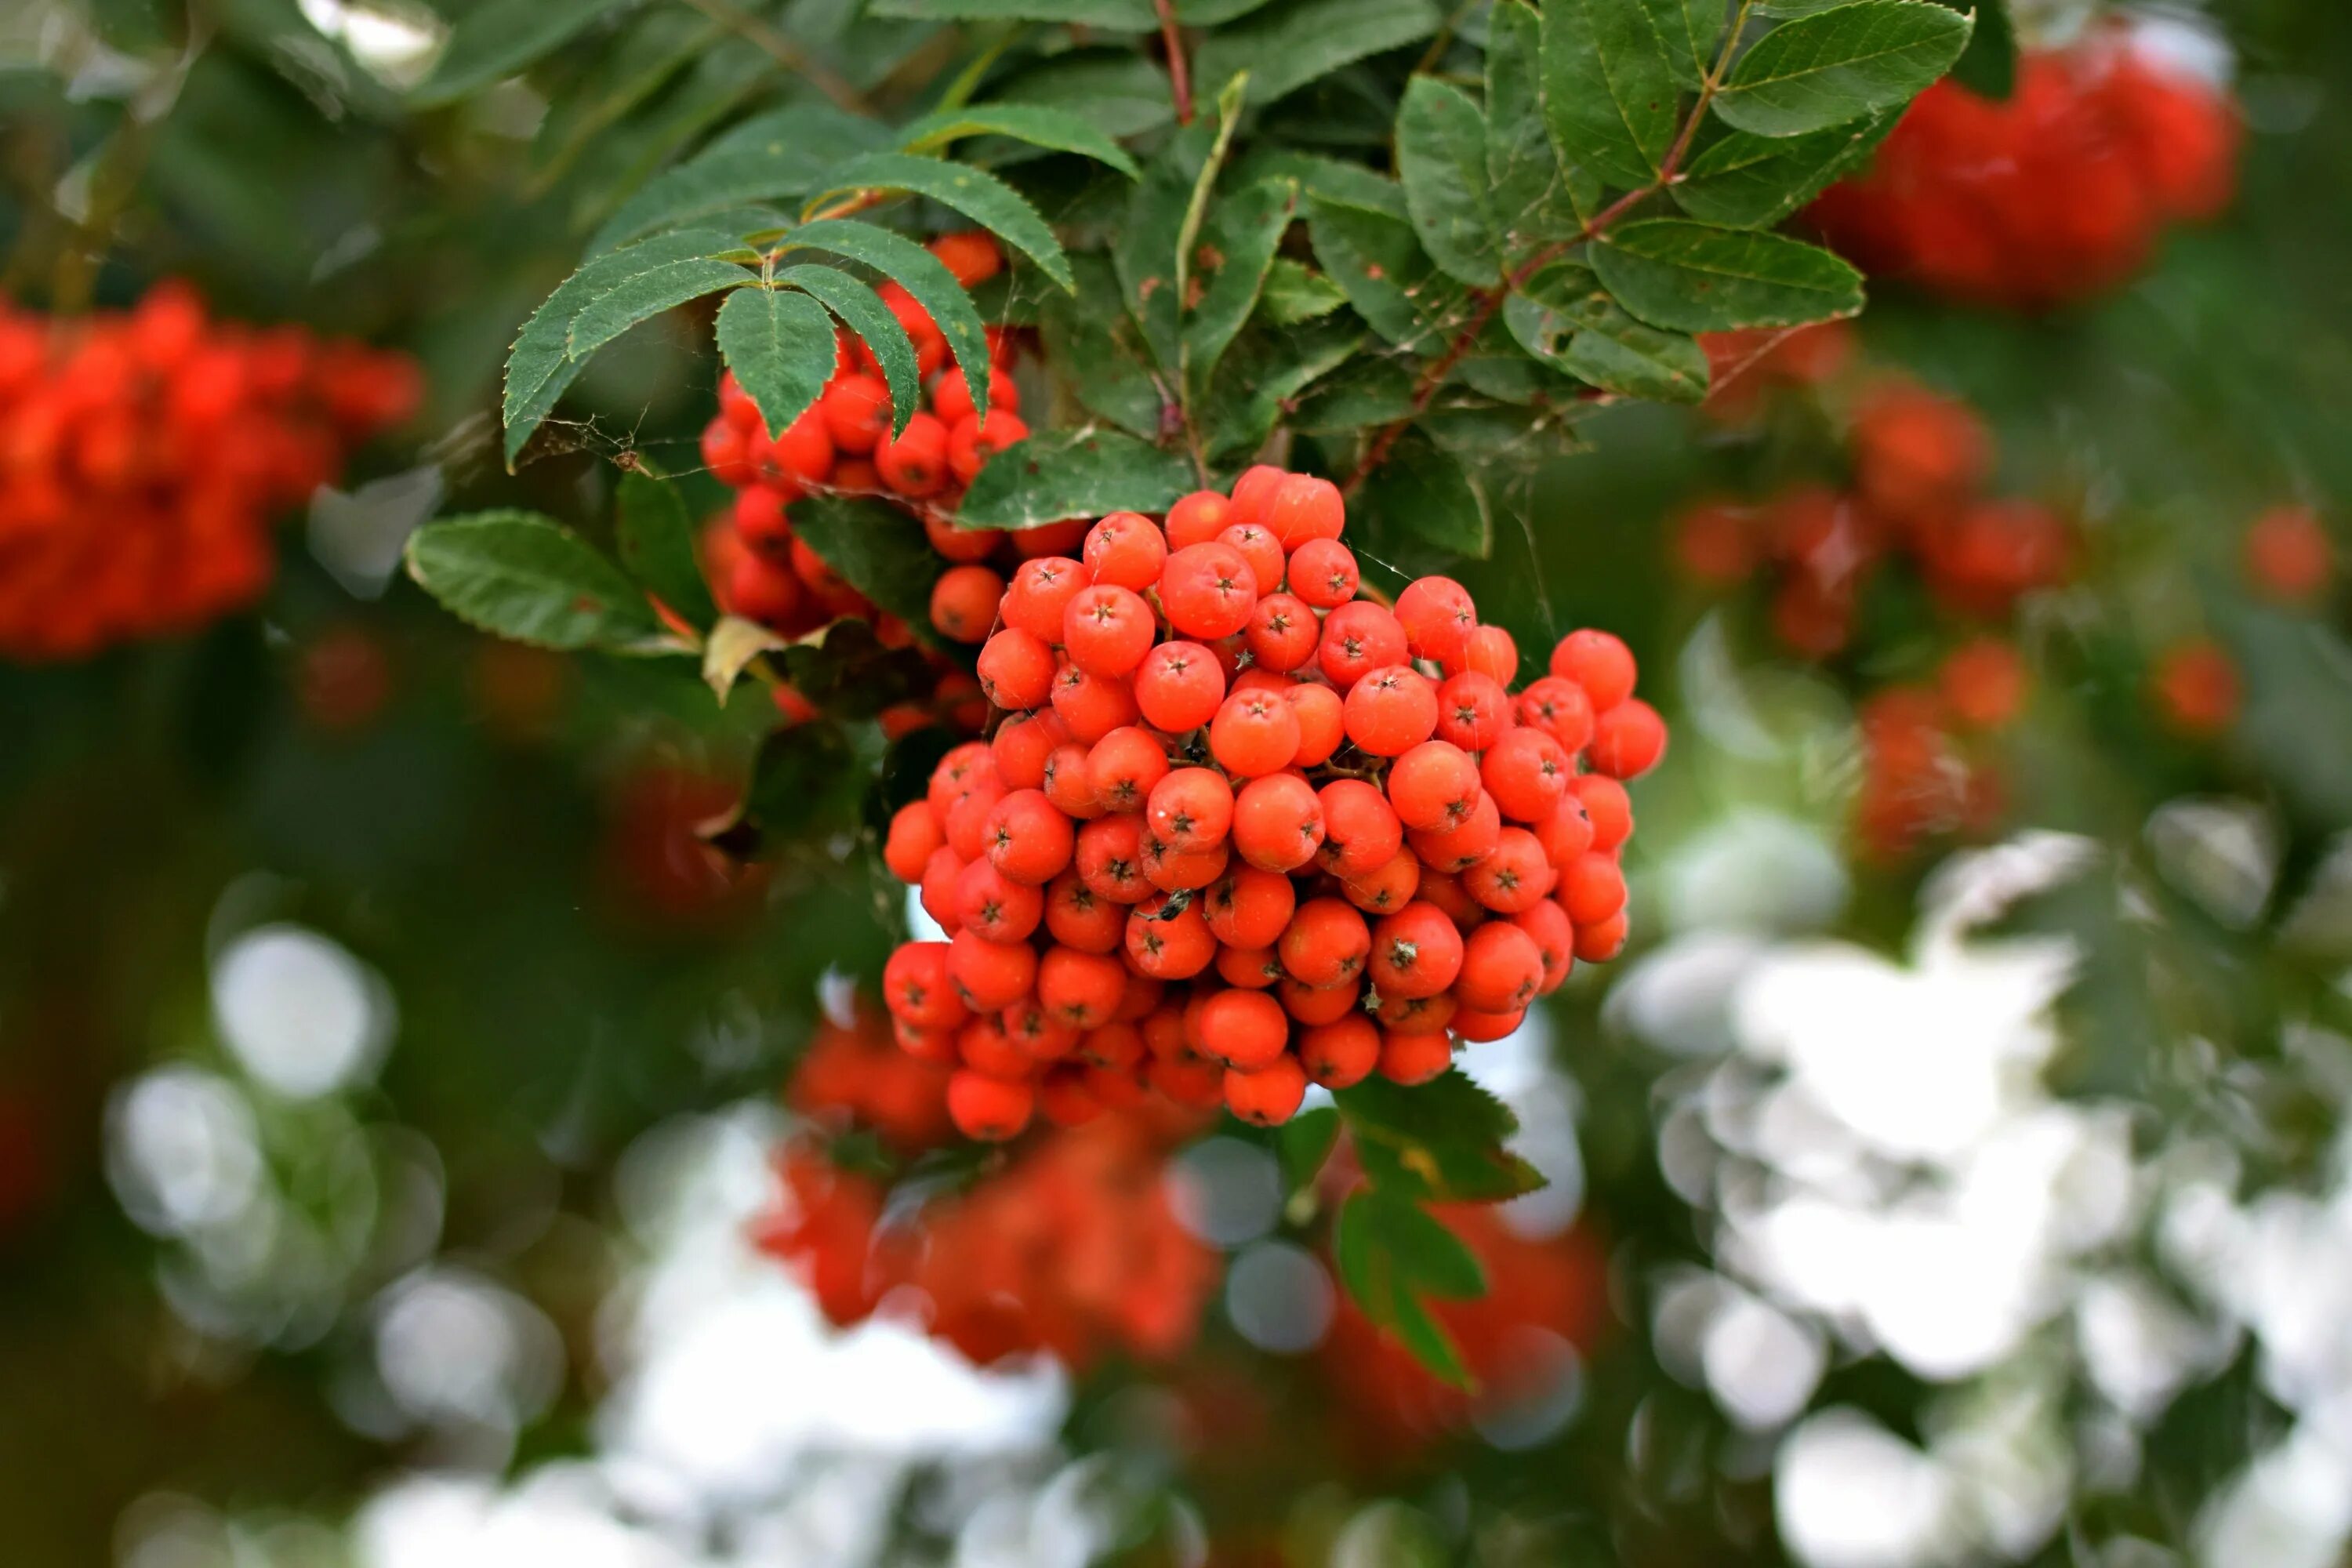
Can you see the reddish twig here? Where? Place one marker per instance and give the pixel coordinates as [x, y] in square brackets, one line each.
[1180, 71]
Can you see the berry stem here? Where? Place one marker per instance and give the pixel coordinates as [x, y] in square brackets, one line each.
[1180, 70]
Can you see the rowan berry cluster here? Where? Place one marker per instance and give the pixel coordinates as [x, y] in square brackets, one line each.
[1243, 829]
[1927, 765]
[144, 456]
[763, 571]
[1918, 463]
[854, 1077]
[1073, 1248]
[2056, 195]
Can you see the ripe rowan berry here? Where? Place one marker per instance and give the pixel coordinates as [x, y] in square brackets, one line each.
[1628, 740]
[1125, 549]
[1607, 806]
[1358, 638]
[1567, 833]
[1116, 1046]
[1514, 877]
[2196, 688]
[1169, 943]
[1326, 942]
[992, 905]
[1340, 1055]
[989, 1109]
[940, 873]
[2289, 557]
[1062, 541]
[1474, 1025]
[1251, 968]
[1109, 858]
[1174, 871]
[1259, 550]
[1491, 652]
[1417, 1014]
[1064, 1098]
[1036, 1031]
[1598, 662]
[1502, 969]
[761, 522]
[1559, 709]
[1081, 989]
[967, 820]
[1178, 686]
[1253, 492]
[1255, 733]
[1591, 889]
[1027, 839]
[1268, 1097]
[1123, 767]
[1069, 781]
[1016, 668]
[1414, 1059]
[1303, 507]
[1024, 745]
[1248, 907]
[1191, 809]
[1555, 939]
[963, 603]
[1077, 918]
[1282, 634]
[1314, 1005]
[1528, 773]
[1360, 830]
[951, 397]
[989, 975]
[1983, 682]
[974, 441]
[1198, 519]
[1322, 721]
[1390, 710]
[855, 409]
[915, 463]
[1107, 629]
[1416, 951]
[764, 590]
[1459, 846]
[1278, 823]
[1438, 618]
[1433, 785]
[1388, 890]
[1038, 600]
[1243, 1028]
[1600, 943]
[1092, 705]
[916, 986]
[915, 835]
[970, 255]
[1207, 591]
[1323, 573]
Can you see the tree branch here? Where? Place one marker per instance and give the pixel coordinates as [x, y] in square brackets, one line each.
[1180, 71]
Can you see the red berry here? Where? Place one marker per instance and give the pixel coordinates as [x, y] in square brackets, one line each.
[1438, 618]
[1245, 1029]
[1628, 740]
[1178, 686]
[1340, 1055]
[1323, 572]
[1598, 662]
[989, 1109]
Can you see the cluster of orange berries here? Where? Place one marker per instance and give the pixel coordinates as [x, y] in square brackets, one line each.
[1073, 1248]
[2056, 194]
[145, 455]
[1243, 829]
[1926, 765]
[842, 446]
[1919, 463]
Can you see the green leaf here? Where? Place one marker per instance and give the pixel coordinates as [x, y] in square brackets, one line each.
[1387, 277]
[1146, 249]
[878, 549]
[1373, 390]
[1291, 43]
[526, 578]
[1441, 152]
[1608, 92]
[975, 193]
[1061, 474]
[1295, 292]
[1689, 30]
[778, 156]
[1839, 65]
[1134, 16]
[655, 536]
[1303, 1144]
[1094, 347]
[1688, 278]
[648, 294]
[498, 37]
[1258, 380]
[540, 366]
[1988, 67]
[1390, 1256]
[862, 311]
[655, 45]
[1243, 232]
[1440, 1140]
[1535, 200]
[803, 782]
[1036, 124]
[1120, 94]
[1424, 491]
[1327, 180]
[732, 645]
[1564, 319]
[781, 348]
[1742, 179]
[919, 273]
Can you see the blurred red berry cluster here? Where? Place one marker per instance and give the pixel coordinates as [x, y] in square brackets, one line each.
[1918, 463]
[145, 455]
[1072, 1248]
[2055, 195]
[842, 446]
[1245, 830]
[1746, 366]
